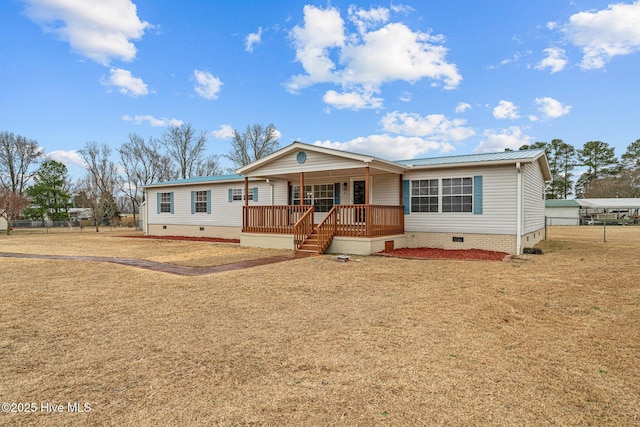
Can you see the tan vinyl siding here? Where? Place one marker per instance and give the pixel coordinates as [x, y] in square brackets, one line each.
[533, 198]
[314, 162]
[498, 200]
[280, 193]
[223, 213]
[386, 190]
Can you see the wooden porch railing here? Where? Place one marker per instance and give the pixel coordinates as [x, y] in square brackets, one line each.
[369, 220]
[327, 229]
[272, 219]
[303, 228]
[351, 220]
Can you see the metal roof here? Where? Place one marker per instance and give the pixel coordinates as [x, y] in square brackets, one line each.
[612, 203]
[473, 158]
[561, 203]
[198, 180]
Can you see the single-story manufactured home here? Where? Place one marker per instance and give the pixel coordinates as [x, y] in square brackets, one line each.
[315, 199]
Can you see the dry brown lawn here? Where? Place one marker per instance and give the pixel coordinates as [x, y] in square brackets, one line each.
[547, 340]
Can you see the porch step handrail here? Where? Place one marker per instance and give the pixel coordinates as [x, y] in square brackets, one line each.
[326, 229]
[303, 228]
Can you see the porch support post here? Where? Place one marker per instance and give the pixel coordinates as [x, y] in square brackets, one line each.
[400, 192]
[366, 202]
[245, 219]
[246, 191]
[302, 188]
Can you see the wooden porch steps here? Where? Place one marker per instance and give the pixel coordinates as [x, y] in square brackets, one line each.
[310, 246]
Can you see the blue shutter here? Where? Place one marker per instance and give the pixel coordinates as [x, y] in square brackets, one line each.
[336, 193]
[208, 201]
[171, 201]
[230, 195]
[290, 194]
[255, 194]
[477, 194]
[158, 197]
[406, 196]
[193, 202]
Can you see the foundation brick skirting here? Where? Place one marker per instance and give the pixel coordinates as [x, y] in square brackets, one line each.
[194, 231]
[531, 239]
[491, 242]
[359, 246]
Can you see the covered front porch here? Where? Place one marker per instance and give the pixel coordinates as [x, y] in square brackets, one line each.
[327, 194]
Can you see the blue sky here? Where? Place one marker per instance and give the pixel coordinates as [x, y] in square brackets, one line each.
[396, 80]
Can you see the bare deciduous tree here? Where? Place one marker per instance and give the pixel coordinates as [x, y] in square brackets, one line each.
[253, 144]
[209, 167]
[97, 189]
[18, 155]
[11, 204]
[185, 147]
[143, 164]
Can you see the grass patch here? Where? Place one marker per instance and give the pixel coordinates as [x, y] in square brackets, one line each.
[316, 342]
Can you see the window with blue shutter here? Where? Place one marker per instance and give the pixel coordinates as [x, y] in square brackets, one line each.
[477, 194]
[406, 196]
[165, 202]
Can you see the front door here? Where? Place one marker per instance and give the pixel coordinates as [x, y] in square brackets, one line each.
[359, 198]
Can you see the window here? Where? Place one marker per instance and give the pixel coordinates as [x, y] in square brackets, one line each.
[457, 195]
[424, 195]
[201, 201]
[237, 194]
[165, 202]
[323, 197]
[308, 194]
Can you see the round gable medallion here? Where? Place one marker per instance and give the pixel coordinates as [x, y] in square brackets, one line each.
[301, 157]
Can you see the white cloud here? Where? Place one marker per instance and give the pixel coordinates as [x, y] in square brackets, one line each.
[97, 29]
[126, 83]
[154, 122]
[415, 136]
[207, 86]
[462, 107]
[556, 60]
[370, 56]
[253, 39]
[389, 147]
[511, 137]
[552, 108]
[406, 97]
[506, 110]
[68, 157]
[351, 100]
[365, 19]
[605, 33]
[432, 126]
[225, 131]
[322, 30]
